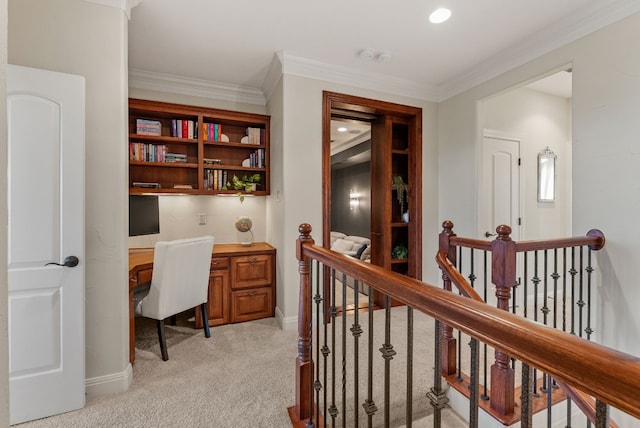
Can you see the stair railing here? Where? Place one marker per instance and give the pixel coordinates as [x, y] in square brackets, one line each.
[612, 377]
[506, 264]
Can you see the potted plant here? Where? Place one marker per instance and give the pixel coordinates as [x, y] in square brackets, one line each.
[246, 184]
[402, 190]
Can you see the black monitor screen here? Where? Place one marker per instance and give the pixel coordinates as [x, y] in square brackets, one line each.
[144, 217]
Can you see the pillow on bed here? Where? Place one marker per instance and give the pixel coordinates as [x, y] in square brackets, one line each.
[342, 245]
[366, 254]
[360, 251]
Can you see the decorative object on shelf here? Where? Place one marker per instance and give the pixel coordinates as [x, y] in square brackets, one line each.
[405, 217]
[243, 226]
[402, 189]
[246, 184]
[546, 175]
[400, 251]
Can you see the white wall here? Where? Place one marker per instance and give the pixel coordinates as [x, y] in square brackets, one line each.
[538, 120]
[606, 193]
[74, 36]
[179, 218]
[4, 344]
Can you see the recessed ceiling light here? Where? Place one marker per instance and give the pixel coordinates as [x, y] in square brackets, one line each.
[439, 15]
[342, 129]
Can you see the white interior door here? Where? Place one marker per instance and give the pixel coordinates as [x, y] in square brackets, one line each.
[46, 225]
[499, 198]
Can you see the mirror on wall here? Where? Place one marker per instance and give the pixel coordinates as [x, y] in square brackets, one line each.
[546, 175]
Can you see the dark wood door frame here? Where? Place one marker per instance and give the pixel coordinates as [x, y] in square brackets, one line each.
[349, 106]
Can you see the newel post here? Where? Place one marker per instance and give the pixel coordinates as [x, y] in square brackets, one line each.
[503, 276]
[304, 364]
[447, 341]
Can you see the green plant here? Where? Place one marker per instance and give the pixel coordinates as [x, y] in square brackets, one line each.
[402, 189]
[400, 251]
[246, 184]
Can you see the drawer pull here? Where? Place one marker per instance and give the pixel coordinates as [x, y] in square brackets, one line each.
[253, 293]
[215, 262]
[252, 259]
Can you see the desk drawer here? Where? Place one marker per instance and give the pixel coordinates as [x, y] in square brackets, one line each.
[251, 304]
[219, 263]
[251, 271]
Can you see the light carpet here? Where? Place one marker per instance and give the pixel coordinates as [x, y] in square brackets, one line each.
[243, 376]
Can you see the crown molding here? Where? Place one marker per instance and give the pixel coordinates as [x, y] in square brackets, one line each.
[195, 87]
[125, 5]
[317, 70]
[561, 33]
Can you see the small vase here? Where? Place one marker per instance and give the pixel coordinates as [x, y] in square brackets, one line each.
[405, 217]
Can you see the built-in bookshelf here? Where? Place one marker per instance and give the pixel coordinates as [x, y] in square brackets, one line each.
[176, 148]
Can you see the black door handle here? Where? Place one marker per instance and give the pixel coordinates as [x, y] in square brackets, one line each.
[489, 234]
[69, 261]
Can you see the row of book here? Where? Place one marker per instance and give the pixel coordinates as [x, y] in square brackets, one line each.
[212, 132]
[256, 136]
[148, 127]
[256, 159]
[184, 128]
[215, 179]
[153, 153]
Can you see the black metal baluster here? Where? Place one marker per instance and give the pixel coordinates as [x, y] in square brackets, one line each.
[344, 350]
[549, 407]
[526, 398]
[581, 300]
[545, 313]
[525, 284]
[409, 399]
[484, 395]
[387, 353]
[356, 331]
[369, 405]
[333, 410]
[473, 384]
[536, 281]
[325, 347]
[459, 342]
[564, 289]
[317, 385]
[573, 273]
[602, 414]
[589, 272]
[437, 397]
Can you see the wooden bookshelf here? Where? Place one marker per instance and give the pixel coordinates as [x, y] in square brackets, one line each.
[216, 145]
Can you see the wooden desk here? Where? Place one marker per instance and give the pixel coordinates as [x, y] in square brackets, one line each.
[242, 284]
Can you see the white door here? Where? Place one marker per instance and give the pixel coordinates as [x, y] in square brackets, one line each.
[46, 225]
[499, 198]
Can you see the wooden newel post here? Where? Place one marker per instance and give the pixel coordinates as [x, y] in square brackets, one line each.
[503, 276]
[447, 341]
[304, 364]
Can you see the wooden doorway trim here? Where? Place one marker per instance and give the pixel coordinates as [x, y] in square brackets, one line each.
[337, 104]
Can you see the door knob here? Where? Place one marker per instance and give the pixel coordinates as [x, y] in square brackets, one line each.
[69, 261]
[489, 234]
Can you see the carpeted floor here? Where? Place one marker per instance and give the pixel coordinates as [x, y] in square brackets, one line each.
[243, 376]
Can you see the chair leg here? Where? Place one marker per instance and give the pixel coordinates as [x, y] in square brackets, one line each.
[161, 338]
[205, 317]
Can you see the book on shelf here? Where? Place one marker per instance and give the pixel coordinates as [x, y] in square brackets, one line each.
[184, 128]
[182, 186]
[148, 127]
[147, 152]
[175, 157]
[143, 185]
[256, 136]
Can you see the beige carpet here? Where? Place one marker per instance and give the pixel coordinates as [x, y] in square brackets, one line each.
[242, 377]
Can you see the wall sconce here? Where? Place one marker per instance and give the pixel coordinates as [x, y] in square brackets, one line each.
[546, 175]
[354, 199]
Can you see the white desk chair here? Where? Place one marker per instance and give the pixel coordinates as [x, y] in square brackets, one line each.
[180, 281]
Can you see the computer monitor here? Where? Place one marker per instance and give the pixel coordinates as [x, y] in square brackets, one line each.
[144, 217]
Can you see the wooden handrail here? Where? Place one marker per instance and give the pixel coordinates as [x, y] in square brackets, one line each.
[456, 277]
[608, 375]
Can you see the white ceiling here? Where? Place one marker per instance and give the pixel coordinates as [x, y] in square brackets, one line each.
[231, 45]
